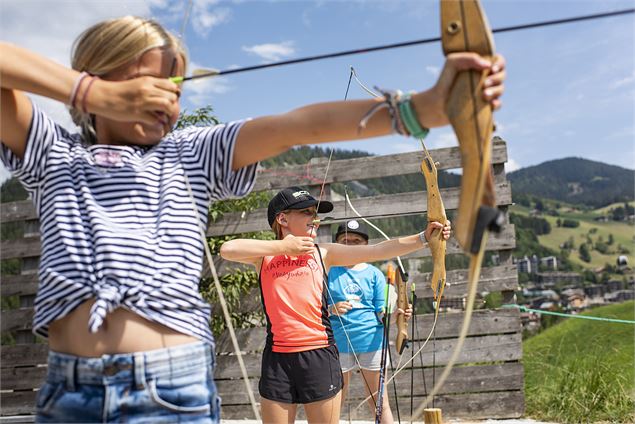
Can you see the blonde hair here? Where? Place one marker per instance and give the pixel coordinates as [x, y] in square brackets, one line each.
[111, 44]
[277, 229]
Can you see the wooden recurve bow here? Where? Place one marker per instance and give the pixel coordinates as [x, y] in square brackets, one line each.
[464, 28]
[436, 213]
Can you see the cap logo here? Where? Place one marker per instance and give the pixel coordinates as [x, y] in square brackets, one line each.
[301, 193]
[353, 225]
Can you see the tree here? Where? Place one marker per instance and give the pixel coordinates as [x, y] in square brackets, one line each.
[584, 253]
[610, 240]
[539, 205]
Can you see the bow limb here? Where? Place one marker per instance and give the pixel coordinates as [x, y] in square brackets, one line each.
[464, 28]
[436, 213]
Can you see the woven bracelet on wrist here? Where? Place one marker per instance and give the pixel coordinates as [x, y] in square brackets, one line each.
[410, 119]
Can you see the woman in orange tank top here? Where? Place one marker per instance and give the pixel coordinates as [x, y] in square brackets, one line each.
[300, 363]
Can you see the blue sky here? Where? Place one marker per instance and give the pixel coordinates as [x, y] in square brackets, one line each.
[570, 88]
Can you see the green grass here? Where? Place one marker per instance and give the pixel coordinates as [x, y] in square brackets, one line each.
[581, 370]
[622, 232]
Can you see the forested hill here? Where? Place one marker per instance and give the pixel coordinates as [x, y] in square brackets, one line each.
[575, 180]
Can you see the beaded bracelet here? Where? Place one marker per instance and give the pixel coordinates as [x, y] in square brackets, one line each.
[75, 89]
[410, 120]
[90, 83]
[391, 100]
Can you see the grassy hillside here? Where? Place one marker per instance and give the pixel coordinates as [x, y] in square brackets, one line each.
[581, 370]
[622, 234]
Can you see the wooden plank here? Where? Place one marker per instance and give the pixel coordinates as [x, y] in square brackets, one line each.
[504, 347]
[483, 322]
[474, 379]
[24, 355]
[491, 405]
[18, 285]
[17, 403]
[492, 279]
[505, 240]
[233, 223]
[386, 205]
[22, 210]
[366, 167]
[16, 319]
[23, 378]
[20, 248]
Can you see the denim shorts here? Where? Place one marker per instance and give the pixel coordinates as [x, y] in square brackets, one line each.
[367, 360]
[157, 386]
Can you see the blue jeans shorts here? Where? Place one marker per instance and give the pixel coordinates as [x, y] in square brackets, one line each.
[367, 360]
[166, 385]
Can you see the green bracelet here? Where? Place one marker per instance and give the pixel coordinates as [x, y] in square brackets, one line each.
[410, 120]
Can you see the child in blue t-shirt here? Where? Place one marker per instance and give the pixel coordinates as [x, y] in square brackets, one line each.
[357, 301]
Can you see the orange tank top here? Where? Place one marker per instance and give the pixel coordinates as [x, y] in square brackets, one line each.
[294, 296]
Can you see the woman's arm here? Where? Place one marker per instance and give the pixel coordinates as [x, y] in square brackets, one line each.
[252, 251]
[268, 136]
[138, 99]
[343, 255]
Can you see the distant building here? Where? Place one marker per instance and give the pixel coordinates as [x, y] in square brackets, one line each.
[549, 262]
[622, 260]
[524, 265]
[620, 296]
[558, 277]
[594, 290]
[534, 263]
[614, 285]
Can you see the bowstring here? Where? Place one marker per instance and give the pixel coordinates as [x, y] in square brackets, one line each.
[330, 295]
[399, 367]
[208, 253]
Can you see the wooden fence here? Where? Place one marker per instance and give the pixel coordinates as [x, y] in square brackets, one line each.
[487, 381]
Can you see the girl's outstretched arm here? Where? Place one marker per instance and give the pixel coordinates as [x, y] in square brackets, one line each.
[138, 99]
[251, 251]
[343, 255]
[268, 136]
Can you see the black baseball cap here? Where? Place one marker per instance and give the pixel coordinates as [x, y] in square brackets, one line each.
[294, 198]
[352, 226]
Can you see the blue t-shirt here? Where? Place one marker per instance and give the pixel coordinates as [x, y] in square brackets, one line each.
[366, 290]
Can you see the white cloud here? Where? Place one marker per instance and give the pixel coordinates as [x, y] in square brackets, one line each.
[511, 165]
[200, 92]
[622, 82]
[271, 52]
[203, 19]
[442, 139]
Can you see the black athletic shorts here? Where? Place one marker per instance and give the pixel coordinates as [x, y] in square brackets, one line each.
[300, 377]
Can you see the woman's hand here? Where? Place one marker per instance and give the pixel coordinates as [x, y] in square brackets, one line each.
[407, 313]
[340, 308]
[293, 245]
[430, 104]
[144, 99]
[436, 226]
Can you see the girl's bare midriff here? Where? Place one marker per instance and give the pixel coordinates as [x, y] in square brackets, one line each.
[122, 332]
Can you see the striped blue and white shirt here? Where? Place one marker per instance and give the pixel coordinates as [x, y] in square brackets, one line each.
[118, 224]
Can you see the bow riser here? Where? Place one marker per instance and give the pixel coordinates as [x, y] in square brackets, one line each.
[436, 213]
[465, 28]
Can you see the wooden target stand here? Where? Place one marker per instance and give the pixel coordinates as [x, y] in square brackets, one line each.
[432, 416]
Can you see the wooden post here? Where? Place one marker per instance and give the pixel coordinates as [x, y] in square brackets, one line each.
[432, 416]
